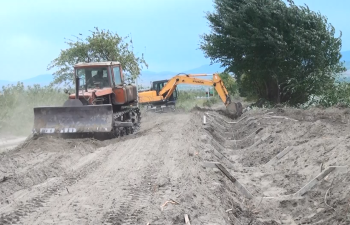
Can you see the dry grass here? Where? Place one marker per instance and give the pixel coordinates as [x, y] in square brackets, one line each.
[17, 103]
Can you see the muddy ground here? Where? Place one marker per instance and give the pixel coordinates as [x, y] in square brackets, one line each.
[173, 166]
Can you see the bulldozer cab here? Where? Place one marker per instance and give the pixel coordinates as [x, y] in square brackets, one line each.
[158, 86]
[99, 75]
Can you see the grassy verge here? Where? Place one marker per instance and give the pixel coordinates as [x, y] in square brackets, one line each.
[17, 103]
[189, 99]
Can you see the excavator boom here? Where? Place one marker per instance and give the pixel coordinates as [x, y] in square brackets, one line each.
[190, 79]
[149, 97]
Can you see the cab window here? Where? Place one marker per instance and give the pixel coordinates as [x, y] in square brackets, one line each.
[93, 77]
[117, 76]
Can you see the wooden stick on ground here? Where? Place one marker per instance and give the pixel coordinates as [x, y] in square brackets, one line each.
[171, 201]
[187, 220]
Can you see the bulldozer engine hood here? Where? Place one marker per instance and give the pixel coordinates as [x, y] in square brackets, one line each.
[102, 92]
[90, 93]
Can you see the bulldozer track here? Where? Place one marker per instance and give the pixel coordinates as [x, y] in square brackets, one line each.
[134, 115]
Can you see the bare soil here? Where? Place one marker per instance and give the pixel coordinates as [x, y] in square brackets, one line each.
[156, 175]
[8, 142]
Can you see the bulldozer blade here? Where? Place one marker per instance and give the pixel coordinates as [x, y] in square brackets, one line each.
[75, 119]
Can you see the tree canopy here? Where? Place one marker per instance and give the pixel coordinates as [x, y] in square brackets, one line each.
[229, 83]
[279, 52]
[100, 45]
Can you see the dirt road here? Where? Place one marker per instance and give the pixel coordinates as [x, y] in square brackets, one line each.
[123, 181]
[170, 168]
[9, 142]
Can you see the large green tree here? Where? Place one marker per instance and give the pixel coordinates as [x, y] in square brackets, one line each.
[100, 45]
[229, 83]
[280, 52]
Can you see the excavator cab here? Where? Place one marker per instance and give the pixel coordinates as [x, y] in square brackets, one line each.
[155, 103]
[159, 85]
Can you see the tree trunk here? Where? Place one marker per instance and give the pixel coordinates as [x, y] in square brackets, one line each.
[257, 88]
[266, 89]
[278, 92]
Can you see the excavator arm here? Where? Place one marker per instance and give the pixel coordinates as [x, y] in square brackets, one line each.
[219, 86]
[152, 97]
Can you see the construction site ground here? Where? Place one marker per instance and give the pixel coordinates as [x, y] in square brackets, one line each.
[270, 166]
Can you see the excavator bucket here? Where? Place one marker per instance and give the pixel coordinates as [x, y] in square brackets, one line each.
[234, 110]
[73, 119]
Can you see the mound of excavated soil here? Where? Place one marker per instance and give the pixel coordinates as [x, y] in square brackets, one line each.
[159, 174]
[289, 149]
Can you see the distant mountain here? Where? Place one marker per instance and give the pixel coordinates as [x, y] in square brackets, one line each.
[3, 82]
[43, 80]
[148, 76]
[145, 78]
[346, 57]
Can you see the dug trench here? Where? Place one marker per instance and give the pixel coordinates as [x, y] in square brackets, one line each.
[173, 166]
[276, 156]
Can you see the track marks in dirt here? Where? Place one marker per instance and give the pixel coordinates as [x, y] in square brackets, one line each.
[128, 210]
[40, 160]
[18, 210]
[111, 182]
[313, 145]
[133, 206]
[173, 172]
[128, 180]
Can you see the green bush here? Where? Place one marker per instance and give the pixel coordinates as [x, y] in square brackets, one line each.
[17, 103]
[211, 101]
[230, 83]
[338, 94]
[188, 99]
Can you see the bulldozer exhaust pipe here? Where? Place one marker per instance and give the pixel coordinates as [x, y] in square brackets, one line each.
[77, 79]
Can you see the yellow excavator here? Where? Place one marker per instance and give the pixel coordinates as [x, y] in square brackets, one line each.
[164, 93]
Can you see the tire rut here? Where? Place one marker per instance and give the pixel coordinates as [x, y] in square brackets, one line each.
[128, 211]
[37, 202]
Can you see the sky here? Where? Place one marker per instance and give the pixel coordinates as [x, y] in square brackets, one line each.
[166, 31]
